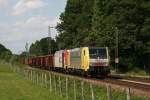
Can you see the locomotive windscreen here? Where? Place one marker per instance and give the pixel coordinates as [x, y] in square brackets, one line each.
[96, 53]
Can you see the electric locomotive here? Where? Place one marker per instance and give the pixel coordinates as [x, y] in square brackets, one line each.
[89, 60]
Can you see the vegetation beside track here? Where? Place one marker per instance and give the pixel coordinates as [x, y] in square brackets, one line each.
[15, 87]
[133, 73]
[5, 53]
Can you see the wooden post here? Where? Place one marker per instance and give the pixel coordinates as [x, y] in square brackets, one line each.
[21, 73]
[28, 74]
[67, 88]
[34, 77]
[45, 80]
[55, 83]
[31, 75]
[50, 81]
[24, 73]
[60, 85]
[13, 69]
[42, 79]
[16, 70]
[92, 92]
[109, 92]
[75, 98]
[82, 83]
[37, 78]
[128, 94]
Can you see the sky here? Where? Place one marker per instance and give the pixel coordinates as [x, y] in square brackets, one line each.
[25, 21]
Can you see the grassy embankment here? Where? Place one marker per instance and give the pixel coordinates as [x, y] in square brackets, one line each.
[135, 72]
[82, 89]
[99, 92]
[15, 87]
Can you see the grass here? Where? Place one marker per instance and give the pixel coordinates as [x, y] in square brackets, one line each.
[135, 72]
[15, 87]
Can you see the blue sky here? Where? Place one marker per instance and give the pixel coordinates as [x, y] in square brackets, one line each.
[24, 21]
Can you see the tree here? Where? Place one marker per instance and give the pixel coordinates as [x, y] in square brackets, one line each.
[75, 23]
[130, 18]
[43, 47]
[5, 53]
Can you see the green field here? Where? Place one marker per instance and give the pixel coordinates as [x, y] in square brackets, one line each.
[15, 87]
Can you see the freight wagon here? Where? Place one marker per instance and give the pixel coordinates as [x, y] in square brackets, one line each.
[59, 60]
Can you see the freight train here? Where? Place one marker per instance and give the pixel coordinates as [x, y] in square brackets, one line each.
[84, 60]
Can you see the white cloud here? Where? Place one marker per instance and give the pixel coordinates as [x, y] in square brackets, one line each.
[26, 5]
[29, 30]
[37, 23]
[3, 3]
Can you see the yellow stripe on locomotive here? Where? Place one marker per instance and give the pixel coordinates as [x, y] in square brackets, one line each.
[85, 58]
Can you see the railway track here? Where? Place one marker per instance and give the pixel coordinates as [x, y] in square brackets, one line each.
[140, 88]
[144, 86]
[137, 88]
[133, 82]
[132, 78]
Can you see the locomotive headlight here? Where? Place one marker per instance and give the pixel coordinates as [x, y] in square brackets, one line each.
[91, 64]
[106, 64]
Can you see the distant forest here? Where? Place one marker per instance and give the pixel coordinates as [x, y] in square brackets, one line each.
[5, 53]
[103, 23]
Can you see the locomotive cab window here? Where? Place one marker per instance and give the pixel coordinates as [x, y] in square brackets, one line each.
[100, 53]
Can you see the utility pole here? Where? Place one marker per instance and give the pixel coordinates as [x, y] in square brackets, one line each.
[49, 37]
[116, 49]
[27, 51]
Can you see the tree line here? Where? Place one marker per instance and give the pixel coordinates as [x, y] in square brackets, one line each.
[105, 23]
[5, 53]
[43, 47]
